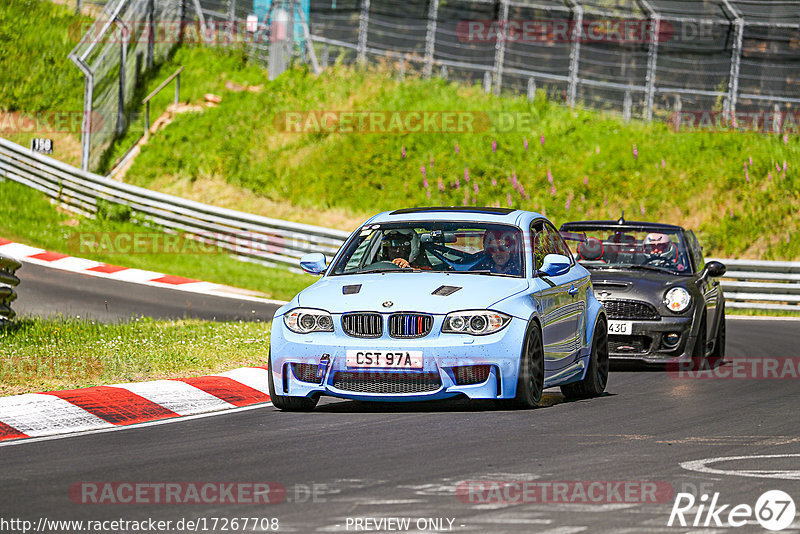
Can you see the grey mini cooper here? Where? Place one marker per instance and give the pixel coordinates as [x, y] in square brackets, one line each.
[663, 301]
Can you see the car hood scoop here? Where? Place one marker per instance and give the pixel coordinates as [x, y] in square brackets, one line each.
[419, 291]
[445, 291]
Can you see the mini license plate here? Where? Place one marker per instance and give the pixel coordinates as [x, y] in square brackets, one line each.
[396, 359]
[624, 328]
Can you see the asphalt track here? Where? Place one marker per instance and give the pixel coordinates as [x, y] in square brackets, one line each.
[45, 291]
[406, 461]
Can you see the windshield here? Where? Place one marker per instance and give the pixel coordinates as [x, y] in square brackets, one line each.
[607, 248]
[475, 248]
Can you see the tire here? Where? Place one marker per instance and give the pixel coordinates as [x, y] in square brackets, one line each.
[699, 350]
[718, 355]
[530, 378]
[594, 383]
[286, 403]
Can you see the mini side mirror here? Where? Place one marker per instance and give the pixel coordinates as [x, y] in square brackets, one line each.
[715, 269]
[555, 265]
[314, 263]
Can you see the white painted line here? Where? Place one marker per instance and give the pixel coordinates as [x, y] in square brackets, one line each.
[133, 427]
[37, 414]
[136, 275]
[257, 379]
[180, 397]
[701, 466]
[73, 264]
[761, 318]
[18, 250]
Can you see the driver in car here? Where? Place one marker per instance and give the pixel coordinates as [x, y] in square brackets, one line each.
[502, 256]
[402, 247]
[660, 250]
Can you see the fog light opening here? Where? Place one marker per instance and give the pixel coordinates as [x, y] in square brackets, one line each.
[671, 339]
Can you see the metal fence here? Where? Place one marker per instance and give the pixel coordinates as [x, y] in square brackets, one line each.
[8, 266]
[763, 285]
[643, 58]
[249, 237]
[114, 54]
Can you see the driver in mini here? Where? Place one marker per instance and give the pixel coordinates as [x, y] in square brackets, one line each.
[502, 254]
[402, 247]
[660, 249]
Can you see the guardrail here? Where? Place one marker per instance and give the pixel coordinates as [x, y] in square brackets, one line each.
[250, 237]
[762, 285]
[8, 280]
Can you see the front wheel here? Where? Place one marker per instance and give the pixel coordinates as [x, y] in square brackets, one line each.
[594, 383]
[530, 380]
[718, 355]
[286, 403]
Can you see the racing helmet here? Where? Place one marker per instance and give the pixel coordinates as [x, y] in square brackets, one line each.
[399, 242]
[657, 244]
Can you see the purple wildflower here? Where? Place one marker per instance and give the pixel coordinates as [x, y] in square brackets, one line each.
[494, 181]
[441, 185]
[466, 174]
[541, 140]
[525, 143]
[508, 199]
[475, 187]
[494, 146]
[403, 152]
[585, 180]
[751, 159]
[549, 176]
[457, 147]
[635, 152]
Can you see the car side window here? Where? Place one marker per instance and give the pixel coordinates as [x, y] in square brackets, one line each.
[541, 244]
[559, 245]
[696, 250]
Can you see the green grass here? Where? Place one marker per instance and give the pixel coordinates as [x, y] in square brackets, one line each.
[693, 179]
[37, 78]
[37, 222]
[60, 353]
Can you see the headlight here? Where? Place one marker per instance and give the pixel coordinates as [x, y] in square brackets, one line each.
[677, 299]
[305, 320]
[475, 322]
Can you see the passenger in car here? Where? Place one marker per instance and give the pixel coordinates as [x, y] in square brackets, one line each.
[502, 253]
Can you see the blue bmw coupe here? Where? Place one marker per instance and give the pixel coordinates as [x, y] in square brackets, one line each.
[430, 303]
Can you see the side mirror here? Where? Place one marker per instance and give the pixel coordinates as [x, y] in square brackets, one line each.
[715, 269]
[314, 263]
[555, 265]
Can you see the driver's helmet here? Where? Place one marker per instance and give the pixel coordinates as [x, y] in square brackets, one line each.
[400, 243]
[494, 240]
[657, 244]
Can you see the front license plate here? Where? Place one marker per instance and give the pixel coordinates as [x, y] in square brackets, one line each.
[624, 328]
[397, 359]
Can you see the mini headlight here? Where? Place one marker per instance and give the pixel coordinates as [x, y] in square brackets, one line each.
[305, 321]
[475, 322]
[677, 299]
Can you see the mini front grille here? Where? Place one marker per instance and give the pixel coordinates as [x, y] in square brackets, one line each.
[363, 324]
[471, 374]
[630, 309]
[628, 344]
[305, 372]
[407, 325]
[386, 383]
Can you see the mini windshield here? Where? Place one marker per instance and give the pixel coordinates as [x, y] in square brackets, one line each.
[663, 249]
[475, 248]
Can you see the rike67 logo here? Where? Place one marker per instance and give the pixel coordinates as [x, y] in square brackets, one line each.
[774, 510]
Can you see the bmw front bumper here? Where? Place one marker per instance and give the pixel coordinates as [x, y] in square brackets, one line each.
[438, 378]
